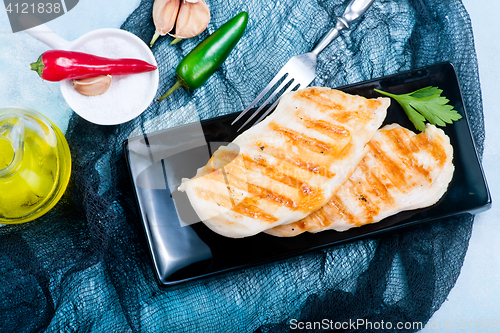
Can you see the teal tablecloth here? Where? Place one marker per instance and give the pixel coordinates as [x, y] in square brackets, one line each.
[84, 266]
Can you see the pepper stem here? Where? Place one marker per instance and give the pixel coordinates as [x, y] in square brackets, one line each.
[175, 41]
[155, 37]
[38, 66]
[176, 86]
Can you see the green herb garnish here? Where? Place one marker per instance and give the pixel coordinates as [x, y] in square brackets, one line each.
[426, 104]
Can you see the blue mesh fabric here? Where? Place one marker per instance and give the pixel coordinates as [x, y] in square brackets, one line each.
[84, 267]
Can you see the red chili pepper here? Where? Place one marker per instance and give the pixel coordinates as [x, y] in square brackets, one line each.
[57, 65]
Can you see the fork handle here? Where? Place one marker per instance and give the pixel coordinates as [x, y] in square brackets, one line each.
[355, 9]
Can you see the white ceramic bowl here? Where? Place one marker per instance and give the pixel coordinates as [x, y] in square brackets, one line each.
[121, 102]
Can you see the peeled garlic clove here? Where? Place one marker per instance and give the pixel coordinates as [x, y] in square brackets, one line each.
[192, 20]
[92, 86]
[164, 16]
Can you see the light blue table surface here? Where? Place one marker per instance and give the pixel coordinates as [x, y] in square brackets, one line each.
[476, 295]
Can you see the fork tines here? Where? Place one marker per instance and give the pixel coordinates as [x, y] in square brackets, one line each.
[288, 82]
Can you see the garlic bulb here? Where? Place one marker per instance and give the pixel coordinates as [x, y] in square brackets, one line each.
[164, 17]
[192, 20]
[189, 17]
[92, 86]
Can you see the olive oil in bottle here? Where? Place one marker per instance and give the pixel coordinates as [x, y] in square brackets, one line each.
[35, 165]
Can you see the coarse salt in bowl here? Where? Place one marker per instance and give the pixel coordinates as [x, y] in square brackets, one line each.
[128, 95]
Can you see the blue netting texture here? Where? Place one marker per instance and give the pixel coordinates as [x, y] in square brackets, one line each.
[85, 267]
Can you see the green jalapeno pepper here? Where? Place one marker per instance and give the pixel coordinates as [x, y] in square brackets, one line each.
[196, 67]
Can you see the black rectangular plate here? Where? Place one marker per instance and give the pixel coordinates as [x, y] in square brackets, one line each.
[185, 253]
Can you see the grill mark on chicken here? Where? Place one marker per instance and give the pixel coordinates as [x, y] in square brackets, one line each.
[219, 159]
[391, 168]
[372, 104]
[318, 219]
[273, 172]
[335, 132]
[309, 197]
[247, 209]
[297, 139]
[217, 198]
[280, 154]
[377, 188]
[405, 150]
[305, 203]
[341, 209]
[263, 193]
[363, 200]
[323, 101]
[341, 137]
[436, 150]
[420, 142]
[237, 183]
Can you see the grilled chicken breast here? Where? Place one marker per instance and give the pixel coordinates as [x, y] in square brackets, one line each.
[401, 171]
[287, 166]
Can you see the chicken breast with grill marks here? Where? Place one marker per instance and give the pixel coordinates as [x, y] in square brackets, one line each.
[401, 171]
[287, 166]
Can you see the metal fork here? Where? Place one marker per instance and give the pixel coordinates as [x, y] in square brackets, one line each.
[300, 70]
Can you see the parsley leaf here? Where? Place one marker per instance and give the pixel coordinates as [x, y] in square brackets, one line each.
[426, 104]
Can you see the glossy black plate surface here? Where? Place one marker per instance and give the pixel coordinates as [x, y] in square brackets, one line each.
[159, 160]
